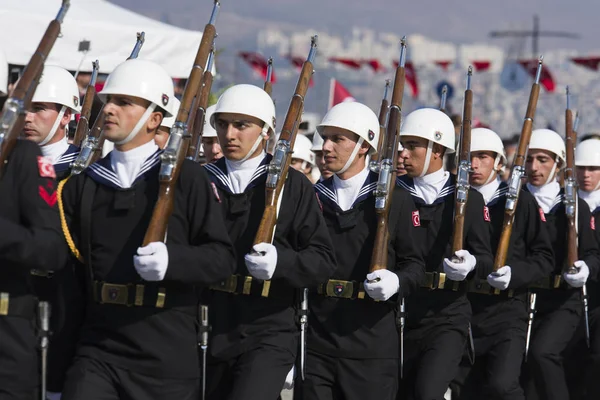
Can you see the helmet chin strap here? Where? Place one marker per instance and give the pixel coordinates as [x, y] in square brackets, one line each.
[352, 156]
[54, 128]
[495, 169]
[552, 171]
[139, 125]
[427, 159]
[597, 186]
[263, 135]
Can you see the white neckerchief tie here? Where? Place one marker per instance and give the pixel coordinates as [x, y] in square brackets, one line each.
[488, 190]
[127, 164]
[545, 195]
[429, 186]
[591, 198]
[240, 172]
[55, 150]
[347, 189]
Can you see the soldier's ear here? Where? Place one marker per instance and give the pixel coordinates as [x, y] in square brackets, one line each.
[438, 150]
[66, 117]
[154, 121]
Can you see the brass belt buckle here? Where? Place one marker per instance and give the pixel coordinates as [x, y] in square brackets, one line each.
[111, 293]
[4, 298]
[337, 288]
[229, 285]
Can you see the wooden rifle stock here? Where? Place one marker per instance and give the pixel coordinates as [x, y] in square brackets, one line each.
[461, 193]
[279, 166]
[383, 111]
[174, 154]
[83, 125]
[13, 113]
[517, 174]
[570, 199]
[200, 106]
[268, 87]
[388, 166]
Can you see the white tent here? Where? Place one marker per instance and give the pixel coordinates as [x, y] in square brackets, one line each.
[110, 29]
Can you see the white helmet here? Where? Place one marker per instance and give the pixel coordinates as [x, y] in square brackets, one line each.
[431, 124]
[302, 150]
[317, 142]
[3, 75]
[209, 131]
[57, 85]
[483, 139]
[248, 100]
[144, 79]
[168, 122]
[309, 123]
[356, 118]
[587, 153]
[546, 139]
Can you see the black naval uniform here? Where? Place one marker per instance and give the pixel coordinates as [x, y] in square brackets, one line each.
[438, 316]
[62, 291]
[499, 322]
[254, 338]
[559, 309]
[353, 345]
[30, 238]
[139, 338]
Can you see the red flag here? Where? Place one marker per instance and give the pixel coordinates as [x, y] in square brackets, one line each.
[546, 78]
[348, 62]
[444, 64]
[588, 62]
[411, 77]
[296, 61]
[338, 93]
[375, 65]
[481, 65]
[258, 64]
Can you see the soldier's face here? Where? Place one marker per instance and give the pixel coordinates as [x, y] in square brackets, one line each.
[320, 161]
[413, 155]
[482, 163]
[237, 134]
[161, 137]
[212, 149]
[40, 119]
[588, 178]
[338, 145]
[400, 170]
[539, 166]
[122, 115]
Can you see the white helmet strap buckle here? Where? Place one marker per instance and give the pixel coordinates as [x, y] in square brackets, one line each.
[427, 159]
[494, 169]
[143, 119]
[263, 135]
[352, 156]
[54, 128]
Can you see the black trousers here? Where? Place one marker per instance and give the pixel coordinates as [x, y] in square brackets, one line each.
[559, 314]
[592, 369]
[499, 333]
[19, 362]
[332, 378]
[258, 374]
[90, 379]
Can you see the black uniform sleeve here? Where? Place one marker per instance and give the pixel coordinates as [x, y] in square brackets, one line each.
[410, 265]
[36, 241]
[588, 247]
[200, 251]
[477, 237]
[311, 260]
[539, 262]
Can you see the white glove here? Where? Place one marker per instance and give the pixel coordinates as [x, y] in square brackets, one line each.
[53, 396]
[578, 280]
[262, 266]
[458, 271]
[382, 284]
[152, 261]
[289, 379]
[501, 278]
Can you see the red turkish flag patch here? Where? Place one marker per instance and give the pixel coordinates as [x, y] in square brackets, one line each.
[542, 215]
[486, 214]
[593, 223]
[49, 198]
[416, 219]
[45, 167]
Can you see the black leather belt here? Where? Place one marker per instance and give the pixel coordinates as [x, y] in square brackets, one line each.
[250, 286]
[140, 295]
[439, 280]
[20, 306]
[342, 289]
[483, 287]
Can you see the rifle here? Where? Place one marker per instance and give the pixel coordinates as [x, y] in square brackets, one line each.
[91, 147]
[179, 139]
[44, 330]
[83, 125]
[387, 167]
[443, 98]
[517, 173]
[532, 299]
[13, 112]
[383, 112]
[282, 157]
[268, 84]
[461, 193]
[200, 106]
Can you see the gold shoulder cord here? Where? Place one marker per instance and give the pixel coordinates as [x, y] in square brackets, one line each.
[63, 221]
